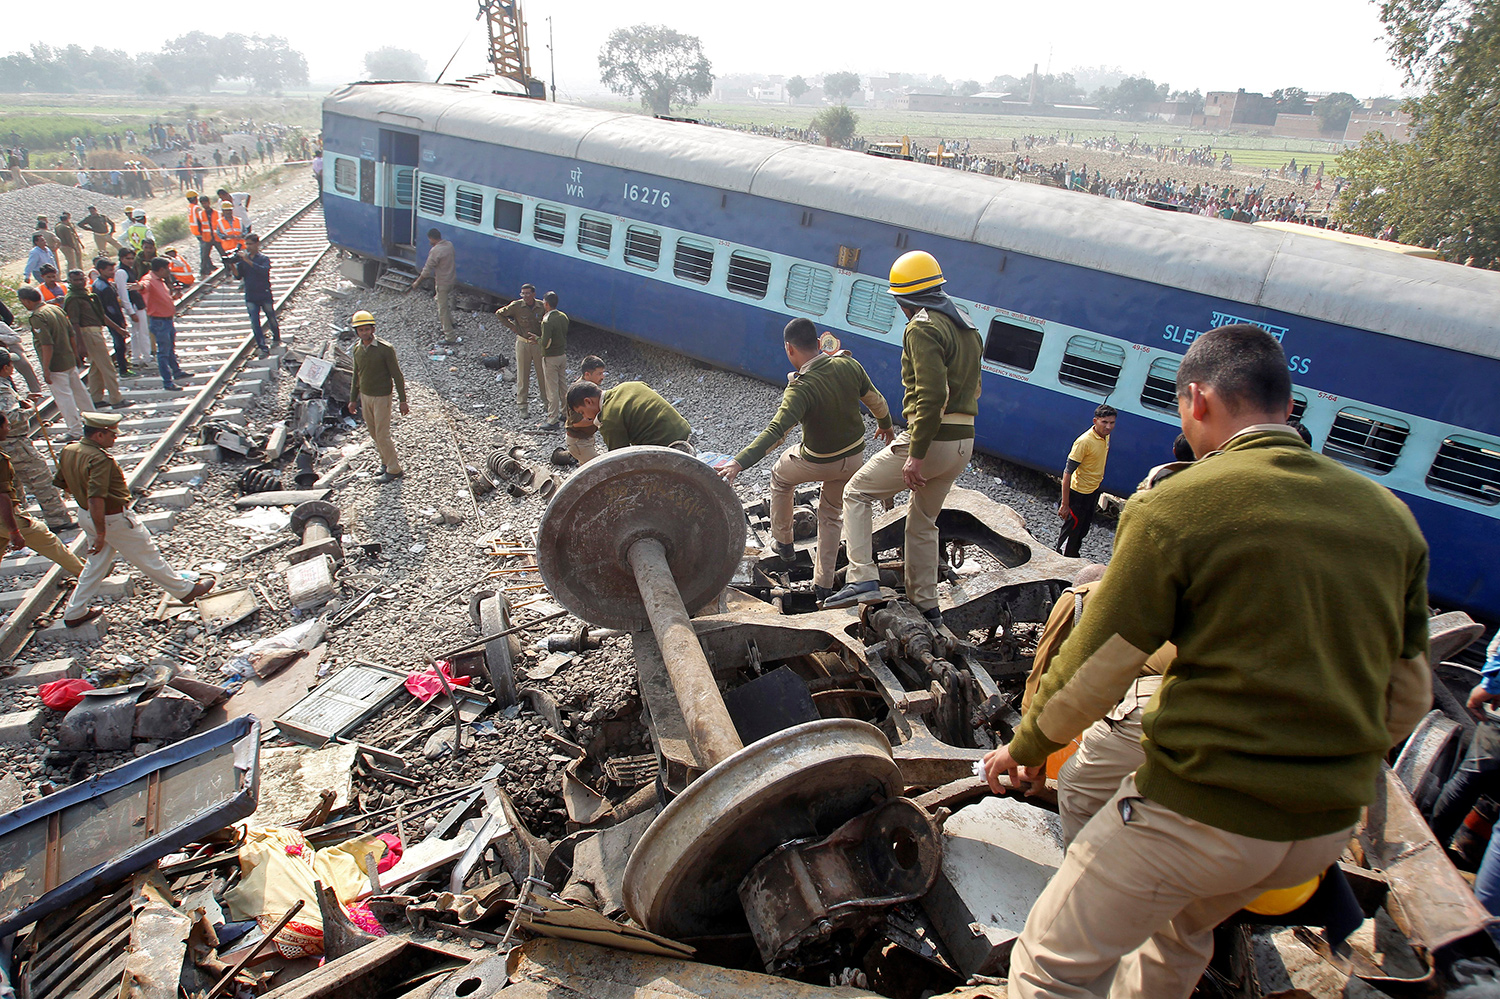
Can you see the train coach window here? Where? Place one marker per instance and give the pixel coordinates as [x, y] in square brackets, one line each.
[1299, 405]
[507, 215]
[1091, 364]
[1366, 440]
[1011, 345]
[345, 176]
[808, 288]
[468, 205]
[432, 197]
[694, 261]
[594, 235]
[642, 247]
[550, 225]
[1468, 467]
[749, 275]
[871, 307]
[1160, 392]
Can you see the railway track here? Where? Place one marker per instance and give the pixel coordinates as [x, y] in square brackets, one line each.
[157, 447]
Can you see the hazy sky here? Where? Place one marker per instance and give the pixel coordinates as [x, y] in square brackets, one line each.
[1314, 44]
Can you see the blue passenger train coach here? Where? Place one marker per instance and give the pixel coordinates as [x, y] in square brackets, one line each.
[705, 241]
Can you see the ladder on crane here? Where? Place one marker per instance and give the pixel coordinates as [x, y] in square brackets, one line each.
[509, 54]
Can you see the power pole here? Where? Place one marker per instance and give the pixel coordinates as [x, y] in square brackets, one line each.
[552, 58]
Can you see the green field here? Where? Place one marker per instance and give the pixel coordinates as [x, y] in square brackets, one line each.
[45, 121]
[880, 124]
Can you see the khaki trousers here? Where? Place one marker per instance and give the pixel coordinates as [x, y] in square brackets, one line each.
[583, 449]
[790, 471]
[1131, 912]
[47, 544]
[102, 378]
[123, 536]
[70, 393]
[444, 295]
[1109, 751]
[880, 479]
[377, 413]
[34, 475]
[74, 257]
[528, 356]
[555, 386]
[103, 241]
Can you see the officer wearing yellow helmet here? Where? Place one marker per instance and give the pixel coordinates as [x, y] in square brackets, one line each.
[376, 373]
[940, 354]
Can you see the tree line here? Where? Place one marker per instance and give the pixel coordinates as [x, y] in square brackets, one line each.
[1440, 188]
[192, 62]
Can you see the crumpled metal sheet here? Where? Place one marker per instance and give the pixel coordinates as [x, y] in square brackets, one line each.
[1430, 900]
[158, 942]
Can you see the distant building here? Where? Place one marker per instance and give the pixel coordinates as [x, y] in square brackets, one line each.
[993, 103]
[1380, 115]
[1173, 112]
[1225, 109]
[1300, 126]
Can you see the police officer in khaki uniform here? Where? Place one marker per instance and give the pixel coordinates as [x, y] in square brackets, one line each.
[524, 317]
[377, 375]
[19, 527]
[26, 461]
[940, 354]
[87, 471]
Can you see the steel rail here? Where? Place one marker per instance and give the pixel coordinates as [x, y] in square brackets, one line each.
[17, 627]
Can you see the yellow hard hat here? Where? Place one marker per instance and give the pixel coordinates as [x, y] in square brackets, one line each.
[915, 271]
[1280, 901]
[362, 319]
[191, 195]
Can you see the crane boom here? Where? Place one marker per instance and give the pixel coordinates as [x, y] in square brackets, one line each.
[509, 54]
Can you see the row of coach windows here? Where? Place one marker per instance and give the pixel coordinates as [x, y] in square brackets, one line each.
[1360, 438]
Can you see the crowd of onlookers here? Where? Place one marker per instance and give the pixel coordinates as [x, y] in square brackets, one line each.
[142, 178]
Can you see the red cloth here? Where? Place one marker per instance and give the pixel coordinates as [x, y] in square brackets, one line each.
[425, 686]
[393, 852]
[63, 695]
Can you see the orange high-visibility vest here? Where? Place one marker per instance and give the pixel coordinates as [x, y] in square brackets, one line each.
[230, 233]
[49, 295]
[201, 223]
[181, 271]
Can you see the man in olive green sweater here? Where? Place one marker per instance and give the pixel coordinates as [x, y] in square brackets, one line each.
[631, 413]
[1295, 591]
[940, 353]
[376, 374]
[823, 394]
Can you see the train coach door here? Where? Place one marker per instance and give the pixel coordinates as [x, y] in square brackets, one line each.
[398, 151]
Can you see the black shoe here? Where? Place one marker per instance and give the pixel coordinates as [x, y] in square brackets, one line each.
[787, 553]
[172, 387]
[822, 593]
[934, 617]
[123, 404]
[385, 477]
[66, 525]
[854, 593]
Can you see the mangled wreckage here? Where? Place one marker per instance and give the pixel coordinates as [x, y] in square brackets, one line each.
[807, 821]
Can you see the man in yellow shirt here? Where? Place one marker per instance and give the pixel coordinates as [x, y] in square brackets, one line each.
[1081, 478]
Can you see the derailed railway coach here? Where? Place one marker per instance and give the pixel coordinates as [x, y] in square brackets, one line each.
[706, 241]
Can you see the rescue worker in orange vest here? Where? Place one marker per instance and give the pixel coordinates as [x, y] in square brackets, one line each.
[228, 229]
[201, 224]
[180, 269]
[53, 291]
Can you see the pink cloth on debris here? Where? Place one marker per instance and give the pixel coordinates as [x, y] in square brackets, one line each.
[425, 686]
